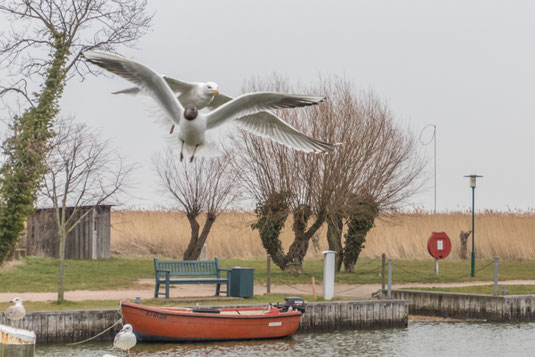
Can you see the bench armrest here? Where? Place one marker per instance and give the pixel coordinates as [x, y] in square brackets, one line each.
[159, 271]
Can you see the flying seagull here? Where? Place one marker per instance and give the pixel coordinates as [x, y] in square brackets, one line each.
[17, 311]
[125, 339]
[248, 110]
[199, 95]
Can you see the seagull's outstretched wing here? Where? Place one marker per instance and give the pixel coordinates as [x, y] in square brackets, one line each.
[175, 85]
[271, 126]
[178, 86]
[131, 90]
[252, 103]
[145, 78]
[218, 101]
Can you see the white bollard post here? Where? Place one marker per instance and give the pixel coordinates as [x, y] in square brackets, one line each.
[204, 252]
[328, 273]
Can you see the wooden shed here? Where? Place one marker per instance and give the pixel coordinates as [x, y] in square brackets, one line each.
[89, 240]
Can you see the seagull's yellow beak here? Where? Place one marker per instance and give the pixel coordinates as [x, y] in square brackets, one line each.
[216, 91]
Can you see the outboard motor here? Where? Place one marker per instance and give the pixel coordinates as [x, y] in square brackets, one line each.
[293, 302]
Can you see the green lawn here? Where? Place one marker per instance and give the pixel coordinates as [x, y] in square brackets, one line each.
[485, 289]
[40, 274]
[114, 304]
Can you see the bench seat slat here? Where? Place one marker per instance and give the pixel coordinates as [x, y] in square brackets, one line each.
[195, 281]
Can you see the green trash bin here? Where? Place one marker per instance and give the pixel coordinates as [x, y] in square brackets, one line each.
[241, 282]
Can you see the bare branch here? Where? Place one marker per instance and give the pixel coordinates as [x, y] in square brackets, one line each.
[82, 171]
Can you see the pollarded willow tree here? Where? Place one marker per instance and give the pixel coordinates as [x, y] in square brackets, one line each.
[378, 168]
[374, 169]
[205, 186]
[44, 47]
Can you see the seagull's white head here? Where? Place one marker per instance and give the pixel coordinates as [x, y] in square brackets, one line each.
[17, 300]
[190, 112]
[127, 328]
[210, 88]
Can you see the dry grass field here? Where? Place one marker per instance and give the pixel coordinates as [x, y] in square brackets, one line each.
[166, 233]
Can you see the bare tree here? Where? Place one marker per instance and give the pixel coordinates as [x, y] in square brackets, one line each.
[284, 181]
[206, 185]
[38, 53]
[377, 168]
[377, 163]
[82, 172]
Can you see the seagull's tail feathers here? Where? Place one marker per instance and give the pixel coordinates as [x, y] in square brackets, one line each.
[156, 114]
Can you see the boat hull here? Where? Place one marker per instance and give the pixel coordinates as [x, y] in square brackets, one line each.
[174, 324]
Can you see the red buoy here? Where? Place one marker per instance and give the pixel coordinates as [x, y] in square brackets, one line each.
[439, 245]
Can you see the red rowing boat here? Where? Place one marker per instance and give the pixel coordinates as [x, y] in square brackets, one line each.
[166, 324]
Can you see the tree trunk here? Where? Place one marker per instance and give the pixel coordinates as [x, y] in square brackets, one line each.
[24, 153]
[197, 241]
[61, 271]
[272, 215]
[299, 247]
[463, 236]
[359, 224]
[335, 226]
[188, 254]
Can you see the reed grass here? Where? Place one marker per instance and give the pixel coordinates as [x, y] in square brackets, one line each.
[508, 235]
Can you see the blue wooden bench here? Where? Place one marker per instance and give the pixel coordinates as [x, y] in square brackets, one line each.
[176, 272]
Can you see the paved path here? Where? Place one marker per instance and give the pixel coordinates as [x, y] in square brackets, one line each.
[342, 290]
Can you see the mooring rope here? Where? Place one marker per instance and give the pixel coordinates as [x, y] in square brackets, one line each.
[92, 338]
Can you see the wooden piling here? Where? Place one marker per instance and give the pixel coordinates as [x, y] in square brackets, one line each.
[16, 342]
[52, 327]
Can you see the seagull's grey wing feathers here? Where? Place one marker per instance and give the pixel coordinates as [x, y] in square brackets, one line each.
[269, 125]
[131, 91]
[117, 339]
[218, 101]
[252, 103]
[175, 85]
[178, 86]
[15, 312]
[145, 78]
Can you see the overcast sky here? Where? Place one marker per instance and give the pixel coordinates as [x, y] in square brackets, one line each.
[466, 66]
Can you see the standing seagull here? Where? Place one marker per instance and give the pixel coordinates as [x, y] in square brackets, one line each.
[15, 312]
[125, 339]
[192, 124]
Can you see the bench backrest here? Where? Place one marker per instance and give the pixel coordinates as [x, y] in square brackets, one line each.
[188, 267]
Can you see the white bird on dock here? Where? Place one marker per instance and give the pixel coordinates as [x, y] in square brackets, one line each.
[125, 339]
[17, 311]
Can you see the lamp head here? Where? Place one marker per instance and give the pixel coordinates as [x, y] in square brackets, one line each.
[473, 180]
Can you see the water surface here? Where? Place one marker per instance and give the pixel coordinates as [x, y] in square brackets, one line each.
[419, 339]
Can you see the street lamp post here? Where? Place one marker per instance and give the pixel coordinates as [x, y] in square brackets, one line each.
[473, 185]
